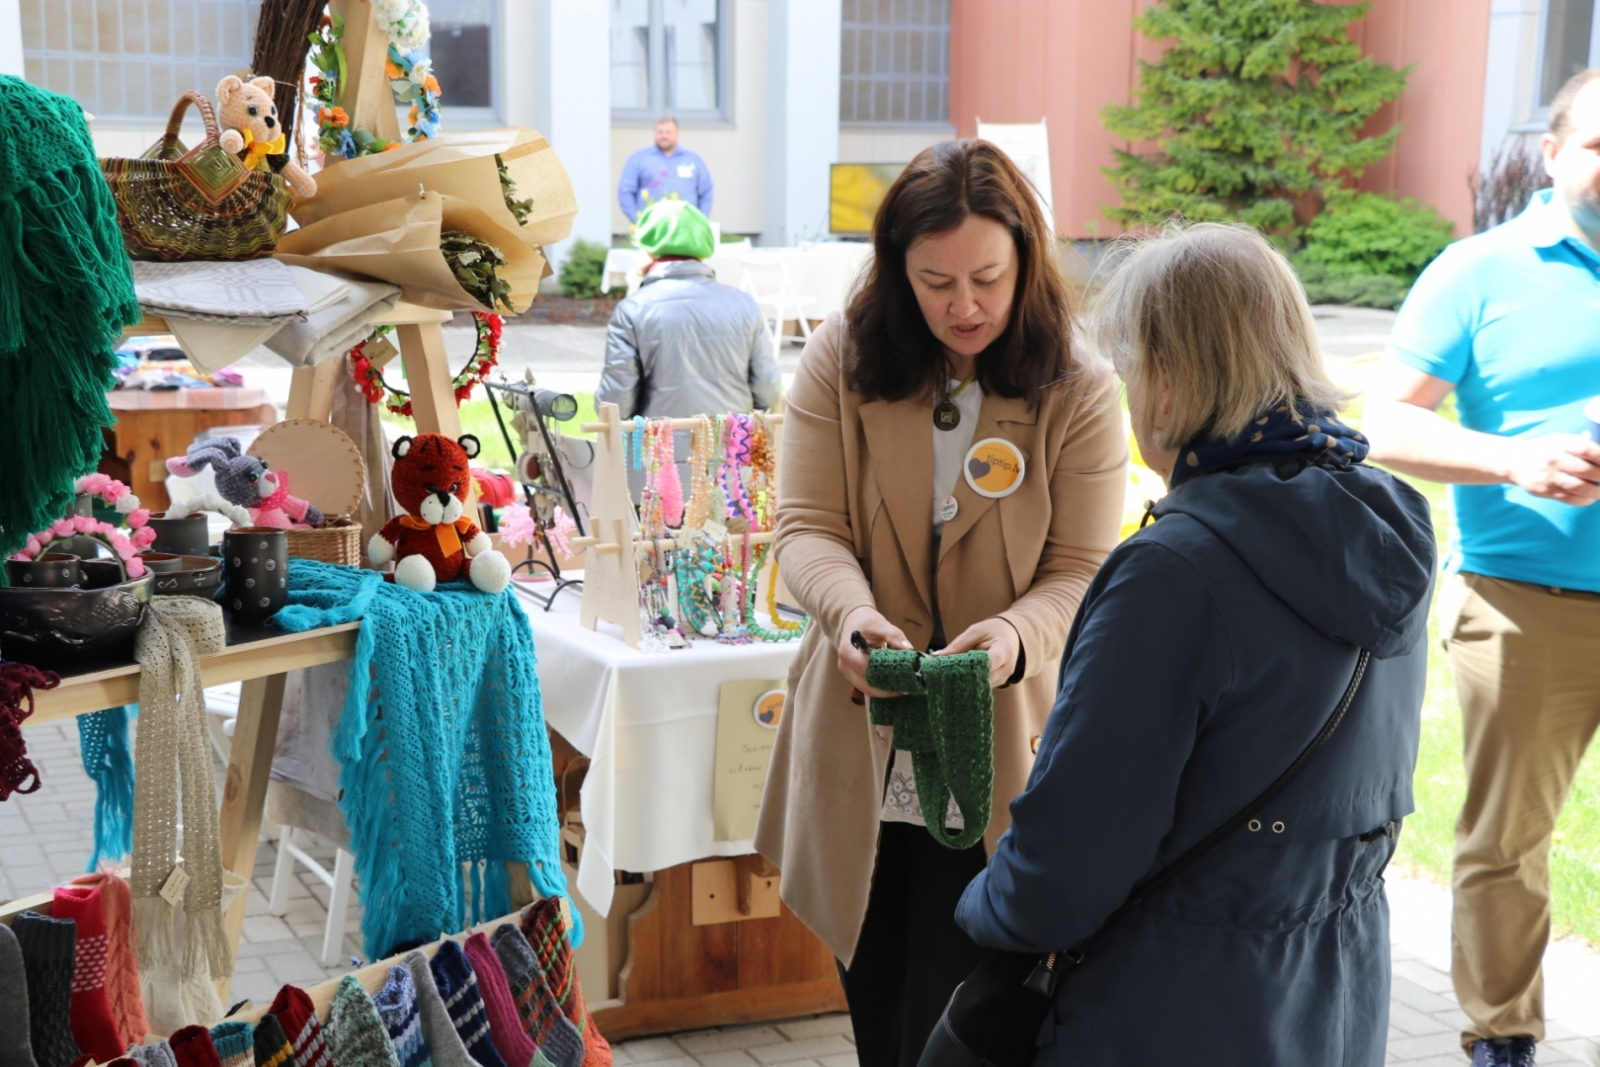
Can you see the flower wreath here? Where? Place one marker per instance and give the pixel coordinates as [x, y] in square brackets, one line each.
[66, 529]
[485, 357]
[119, 496]
[405, 23]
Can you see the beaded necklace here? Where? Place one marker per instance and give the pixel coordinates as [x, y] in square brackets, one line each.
[701, 440]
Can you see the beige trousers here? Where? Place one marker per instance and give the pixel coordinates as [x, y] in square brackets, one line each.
[1527, 666]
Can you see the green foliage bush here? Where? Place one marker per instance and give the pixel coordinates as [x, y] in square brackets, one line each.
[1256, 109]
[583, 271]
[1366, 234]
[1357, 290]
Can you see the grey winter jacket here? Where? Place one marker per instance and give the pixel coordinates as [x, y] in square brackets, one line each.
[684, 344]
[1207, 653]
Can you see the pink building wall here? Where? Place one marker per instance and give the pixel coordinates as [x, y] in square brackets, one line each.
[1065, 60]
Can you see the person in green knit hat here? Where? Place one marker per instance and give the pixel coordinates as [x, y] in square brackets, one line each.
[685, 344]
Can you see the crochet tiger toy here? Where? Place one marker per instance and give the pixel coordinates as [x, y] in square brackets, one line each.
[435, 541]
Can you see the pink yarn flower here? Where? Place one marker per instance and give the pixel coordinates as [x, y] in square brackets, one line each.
[138, 518]
[63, 528]
[83, 523]
[144, 538]
[135, 567]
[516, 525]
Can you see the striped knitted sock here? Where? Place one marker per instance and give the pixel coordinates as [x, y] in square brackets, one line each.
[235, 1043]
[92, 1025]
[516, 1048]
[397, 1006]
[355, 1032]
[192, 1047]
[298, 1017]
[47, 949]
[550, 1030]
[458, 985]
[272, 1047]
[122, 965]
[444, 1044]
[547, 933]
[14, 1048]
[156, 1055]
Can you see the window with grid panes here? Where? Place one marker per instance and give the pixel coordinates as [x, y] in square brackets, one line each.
[668, 56]
[894, 63]
[1570, 44]
[132, 59]
[461, 47]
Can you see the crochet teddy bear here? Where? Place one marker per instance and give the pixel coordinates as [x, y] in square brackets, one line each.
[246, 482]
[435, 541]
[250, 130]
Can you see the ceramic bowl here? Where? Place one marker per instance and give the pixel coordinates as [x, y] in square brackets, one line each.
[62, 627]
[53, 570]
[161, 561]
[187, 536]
[195, 576]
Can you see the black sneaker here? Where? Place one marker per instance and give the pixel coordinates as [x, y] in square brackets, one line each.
[1503, 1052]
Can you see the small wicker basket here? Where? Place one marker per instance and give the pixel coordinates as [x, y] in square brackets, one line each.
[338, 541]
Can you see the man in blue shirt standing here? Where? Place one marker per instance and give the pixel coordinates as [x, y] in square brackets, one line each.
[664, 171]
[1509, 321]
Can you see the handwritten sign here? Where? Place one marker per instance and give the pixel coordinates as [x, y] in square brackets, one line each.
[748, 715]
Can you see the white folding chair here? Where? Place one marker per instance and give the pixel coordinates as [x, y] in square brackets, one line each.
[339, 882]
[765, 277]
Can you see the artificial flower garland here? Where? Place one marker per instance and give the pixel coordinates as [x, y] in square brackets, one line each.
[405, 23]
[85, 525]
[485, 357]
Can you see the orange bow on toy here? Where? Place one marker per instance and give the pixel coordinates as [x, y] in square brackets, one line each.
[448, 533]
[255, 152]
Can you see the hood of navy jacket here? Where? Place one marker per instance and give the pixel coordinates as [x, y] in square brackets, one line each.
[1350, 551]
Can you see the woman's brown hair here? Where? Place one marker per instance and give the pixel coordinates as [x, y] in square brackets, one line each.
[896, 355]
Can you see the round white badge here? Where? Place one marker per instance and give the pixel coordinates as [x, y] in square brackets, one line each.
[768, 708]
[995, 467]
[948, 509]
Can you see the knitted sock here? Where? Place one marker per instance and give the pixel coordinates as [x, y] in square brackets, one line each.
[235, 1043]
[516, 1048]
[298, 1018]
[444, 1044]
[547, 933]
[156, 1055]
[355, 1031]
[272, 1045]
[47, 948]
[397, 1006]
[458, 985]
[192, 1047]
[550, 1030]
[92, 1025]
[122, 966]
[14, 1048]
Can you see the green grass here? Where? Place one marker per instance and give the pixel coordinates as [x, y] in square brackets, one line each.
[478, 419]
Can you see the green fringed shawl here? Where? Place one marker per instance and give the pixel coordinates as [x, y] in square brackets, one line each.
[945, 719]
[66, 291]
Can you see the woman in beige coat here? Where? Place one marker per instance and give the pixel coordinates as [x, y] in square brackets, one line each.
[955, 358]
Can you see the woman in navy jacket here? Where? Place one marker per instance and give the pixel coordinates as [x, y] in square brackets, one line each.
[1207, 654]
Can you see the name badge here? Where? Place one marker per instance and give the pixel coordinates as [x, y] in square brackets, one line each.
[995, 468]
[686, 170]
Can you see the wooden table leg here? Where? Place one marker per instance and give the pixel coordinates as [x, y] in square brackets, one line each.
[255, 736]
[433, 403]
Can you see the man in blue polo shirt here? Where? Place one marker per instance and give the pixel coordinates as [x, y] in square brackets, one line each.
[664, 171]
[1509, 321]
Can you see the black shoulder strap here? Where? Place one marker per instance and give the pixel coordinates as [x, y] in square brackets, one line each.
[1142, 892]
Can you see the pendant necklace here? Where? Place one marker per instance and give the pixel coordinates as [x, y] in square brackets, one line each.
[946, 416]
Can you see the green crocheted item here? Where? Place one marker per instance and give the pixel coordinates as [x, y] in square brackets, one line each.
[66, 291]
[946, 721]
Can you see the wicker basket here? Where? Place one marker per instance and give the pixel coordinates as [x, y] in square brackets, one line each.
[339, 541]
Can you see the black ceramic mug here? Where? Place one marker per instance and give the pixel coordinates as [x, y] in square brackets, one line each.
[187, 536]
[53, 570]
[256, 559]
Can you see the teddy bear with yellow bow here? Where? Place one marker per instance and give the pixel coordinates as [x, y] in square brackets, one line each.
[251, 131]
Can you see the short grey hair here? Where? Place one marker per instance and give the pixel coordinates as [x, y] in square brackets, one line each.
[1224, 315]
[667, 118]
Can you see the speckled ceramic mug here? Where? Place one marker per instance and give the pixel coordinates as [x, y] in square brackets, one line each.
[256, 559]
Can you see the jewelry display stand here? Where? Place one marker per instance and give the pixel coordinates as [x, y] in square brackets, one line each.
[611, 575]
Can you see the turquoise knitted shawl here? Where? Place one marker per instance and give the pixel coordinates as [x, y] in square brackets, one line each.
[446, 773]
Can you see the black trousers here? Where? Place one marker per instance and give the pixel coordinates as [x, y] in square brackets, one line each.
[911, 955]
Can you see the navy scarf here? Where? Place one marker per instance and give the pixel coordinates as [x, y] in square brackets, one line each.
[1278, 432]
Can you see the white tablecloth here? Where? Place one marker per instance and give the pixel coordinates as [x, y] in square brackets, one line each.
[823, 271]
[648, 723]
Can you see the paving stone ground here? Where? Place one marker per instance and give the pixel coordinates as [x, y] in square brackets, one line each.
[45, 839]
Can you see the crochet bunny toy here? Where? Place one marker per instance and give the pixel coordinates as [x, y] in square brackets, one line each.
[245, 481]
[250, 130]
[435, 541]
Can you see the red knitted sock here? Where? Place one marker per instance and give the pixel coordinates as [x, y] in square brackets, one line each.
[509, 1037]
[298, 1017]
[92, 1025]
[192, 1047]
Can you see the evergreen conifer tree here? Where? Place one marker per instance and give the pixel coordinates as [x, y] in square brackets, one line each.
[1256, 110]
